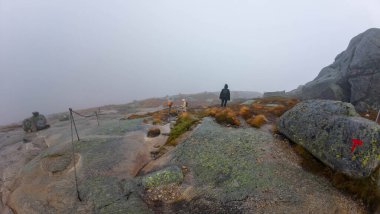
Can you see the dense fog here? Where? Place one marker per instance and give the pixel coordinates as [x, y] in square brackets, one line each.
[66, 53]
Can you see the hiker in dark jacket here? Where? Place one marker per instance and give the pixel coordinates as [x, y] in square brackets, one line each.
[224, 95]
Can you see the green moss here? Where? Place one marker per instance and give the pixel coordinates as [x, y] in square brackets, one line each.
[365, 160]
[373, 151]
[227, 159]
[181, 126]
[166, 176]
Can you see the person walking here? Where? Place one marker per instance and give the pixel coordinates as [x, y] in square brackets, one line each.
[170, 104]
[184, 105]
[224, 95]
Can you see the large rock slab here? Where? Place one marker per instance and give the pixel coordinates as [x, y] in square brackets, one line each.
[105, 159]
[243, 170]
[326, 129]
[353, 77]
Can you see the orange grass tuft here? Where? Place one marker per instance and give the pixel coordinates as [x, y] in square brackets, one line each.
[136, 116]
[257, 106]
[278, 110]
[227, 116]
[212, 111]
[245, 112]
[257, 121]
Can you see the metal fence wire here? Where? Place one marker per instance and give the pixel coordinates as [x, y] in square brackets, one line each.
[72, 124]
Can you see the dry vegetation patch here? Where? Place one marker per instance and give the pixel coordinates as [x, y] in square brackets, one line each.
[273, 106]
[261, 111]
[158, 117]
[137, 116]
[257, 121]
[226, 116]
[245, 112]
[370, 114]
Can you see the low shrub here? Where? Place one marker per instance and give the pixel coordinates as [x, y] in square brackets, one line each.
[227, 116]
[245, 112]
[257, 121]
[157, 118]
[273, 106]
[257, 106]
[278, 110]
[137, 116]
[292, 102]
[160, 116]
[212, 111]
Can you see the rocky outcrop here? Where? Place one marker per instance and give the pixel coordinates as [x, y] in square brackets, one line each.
[326, 129]
[242, 170]
[153, 132]
[35, 123]
[274, 94]
[102, 167]
[353, 77]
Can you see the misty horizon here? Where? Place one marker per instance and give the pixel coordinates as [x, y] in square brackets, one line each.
[61, 54]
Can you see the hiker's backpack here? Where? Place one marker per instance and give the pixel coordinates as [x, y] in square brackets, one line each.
[224, 94]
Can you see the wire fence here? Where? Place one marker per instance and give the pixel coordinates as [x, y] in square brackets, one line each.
[73, 125]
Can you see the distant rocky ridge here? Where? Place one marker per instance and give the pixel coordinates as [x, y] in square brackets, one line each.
[353, 77]
[195, 100]
[215, 95]
[274, 94]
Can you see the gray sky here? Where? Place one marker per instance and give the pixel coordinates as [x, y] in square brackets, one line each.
[84, 53]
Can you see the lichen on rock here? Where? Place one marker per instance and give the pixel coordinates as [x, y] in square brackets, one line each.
[326, 129]
[168, 175]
